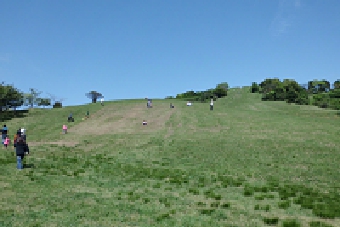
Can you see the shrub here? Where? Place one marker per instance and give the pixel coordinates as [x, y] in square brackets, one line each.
[290, 223]
[318, 224]
[271, 221]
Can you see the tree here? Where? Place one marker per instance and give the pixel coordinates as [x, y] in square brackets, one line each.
[44, 102]
[93, 95]
[31, 99]
[336, 84]
[10, 97]
[221, 90]
[318, 86]
[255, 88]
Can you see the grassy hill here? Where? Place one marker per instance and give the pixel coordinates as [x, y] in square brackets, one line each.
[246, 163]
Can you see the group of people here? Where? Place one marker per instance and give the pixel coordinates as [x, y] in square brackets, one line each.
[19, 142]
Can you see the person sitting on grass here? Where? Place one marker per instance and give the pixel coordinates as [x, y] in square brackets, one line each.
[189, 104]
[21, 150]
[144, 122]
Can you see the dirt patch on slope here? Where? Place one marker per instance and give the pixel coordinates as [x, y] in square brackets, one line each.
[125, 119]
[116, 119]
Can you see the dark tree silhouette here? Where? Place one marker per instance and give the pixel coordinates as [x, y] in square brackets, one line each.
[93, 95]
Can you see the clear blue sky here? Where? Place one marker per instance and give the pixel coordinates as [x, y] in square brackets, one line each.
[136, 48]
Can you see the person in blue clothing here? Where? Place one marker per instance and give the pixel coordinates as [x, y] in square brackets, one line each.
[21, 150]
[4, 134]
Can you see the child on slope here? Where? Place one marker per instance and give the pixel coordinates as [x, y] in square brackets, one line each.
[6, 142]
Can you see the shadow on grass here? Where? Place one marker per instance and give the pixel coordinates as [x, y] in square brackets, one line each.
[28, 166]
[8, 115]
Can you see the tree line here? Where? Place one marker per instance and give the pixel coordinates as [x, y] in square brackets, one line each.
[221, 90]
[11, 99]
[317, 92]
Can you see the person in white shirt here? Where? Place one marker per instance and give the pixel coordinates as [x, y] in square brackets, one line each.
[188, 103]
[211, 104]
[101, 101]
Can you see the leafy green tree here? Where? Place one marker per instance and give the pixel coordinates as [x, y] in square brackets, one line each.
[10, 97]
[318, 86]
[44, 102]
[269, 85]
[255, 88]
[221, 90]
[336, 84]
[94, 95]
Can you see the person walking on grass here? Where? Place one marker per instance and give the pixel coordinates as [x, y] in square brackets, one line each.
[21, 150]
[15, 137]
[23, 133]
[211, 104]
[4, 134]
[6, 143]
[64, 129]
[101, 101]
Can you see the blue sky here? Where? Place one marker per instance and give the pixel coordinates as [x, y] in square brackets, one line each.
[155, 48]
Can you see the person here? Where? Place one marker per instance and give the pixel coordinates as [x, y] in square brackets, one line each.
[18, 134]
[23, 133]
[70, 118]
[64, 129]
[188, 103]
[21, 150]
[6, 143]
[87, 114]
[144, 122]
[171, 106]
[4, 134]
[211, 104]
[101, 101]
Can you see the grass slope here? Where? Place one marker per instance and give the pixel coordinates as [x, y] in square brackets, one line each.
[246, 163]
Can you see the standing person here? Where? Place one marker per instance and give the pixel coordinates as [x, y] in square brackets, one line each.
[16, 136]
[64, 129]
[101, 101]
[4, 133]
[23, 133]
[7, 141]
[21, 149]
[211, 104]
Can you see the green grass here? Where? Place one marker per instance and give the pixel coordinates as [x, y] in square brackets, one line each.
[246, 163]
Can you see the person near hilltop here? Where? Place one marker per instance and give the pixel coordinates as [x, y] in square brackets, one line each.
[101, 101]
[21, 150]
[211, 104]
[4, 134]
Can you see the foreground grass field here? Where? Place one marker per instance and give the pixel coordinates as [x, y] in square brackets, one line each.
[247, 163]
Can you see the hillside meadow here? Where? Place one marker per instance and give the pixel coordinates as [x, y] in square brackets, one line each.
[246, 163]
